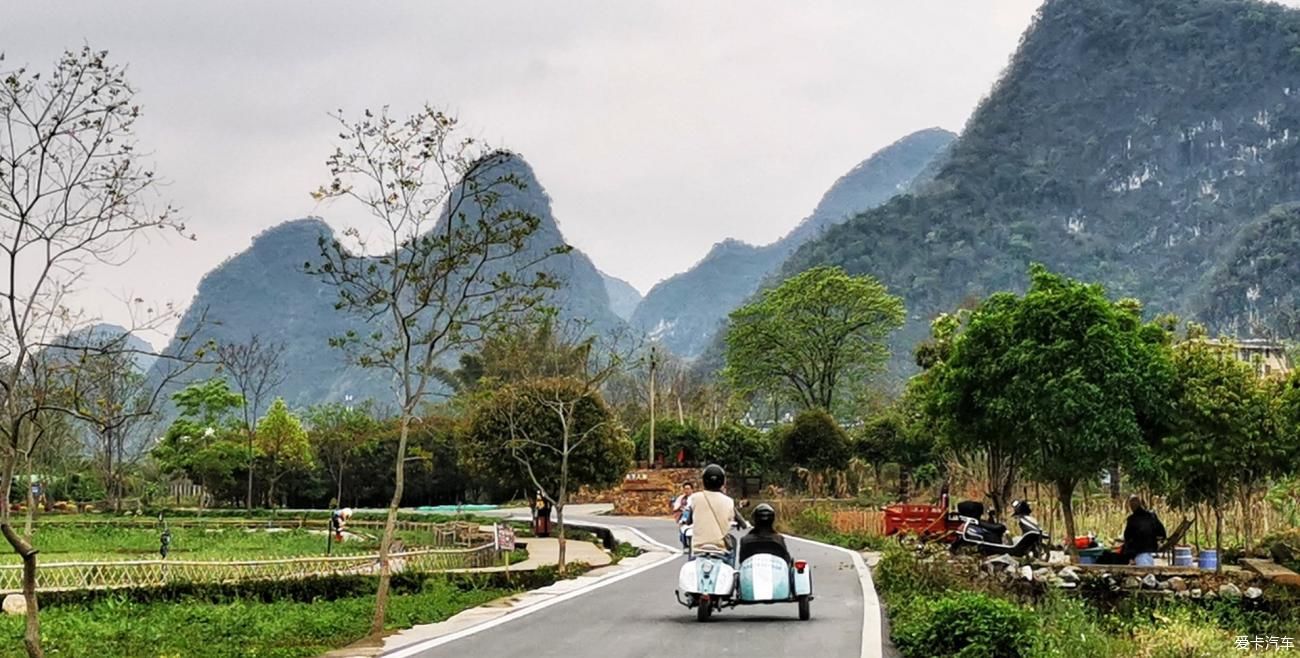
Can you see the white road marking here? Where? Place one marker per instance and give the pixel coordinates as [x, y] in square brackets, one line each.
[872, 637]
[417, 647]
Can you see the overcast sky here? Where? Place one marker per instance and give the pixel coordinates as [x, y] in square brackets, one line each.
[657, 128]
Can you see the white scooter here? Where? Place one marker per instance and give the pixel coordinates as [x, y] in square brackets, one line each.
[711, 580]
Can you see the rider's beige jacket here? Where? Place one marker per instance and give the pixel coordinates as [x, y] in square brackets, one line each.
[711, 516]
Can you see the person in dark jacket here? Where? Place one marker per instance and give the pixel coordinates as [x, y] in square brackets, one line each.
[1142, 534]
[763, 537]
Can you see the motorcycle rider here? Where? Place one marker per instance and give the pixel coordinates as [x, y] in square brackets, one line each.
[763, 538]
[712, 513]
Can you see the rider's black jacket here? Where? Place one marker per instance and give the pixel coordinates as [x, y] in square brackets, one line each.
[763, 540]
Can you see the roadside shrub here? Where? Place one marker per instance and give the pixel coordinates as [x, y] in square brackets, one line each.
[964, 625]
[899, 575]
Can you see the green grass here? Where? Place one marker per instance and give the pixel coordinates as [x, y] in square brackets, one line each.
[117, 626]
[73, 543]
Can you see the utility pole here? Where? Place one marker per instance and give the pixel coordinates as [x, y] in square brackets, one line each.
[654, 364]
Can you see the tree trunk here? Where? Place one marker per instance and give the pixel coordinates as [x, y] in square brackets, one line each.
[339, 497]
[559, 522]
[904, 483]
[31, 502]
[563, 498]
[248, 500]
[1114, 482]
[1245, 517]
[1218, 531]
[390, 524]
[1065, 494]
[32, 629]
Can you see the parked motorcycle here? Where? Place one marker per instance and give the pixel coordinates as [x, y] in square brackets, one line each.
[990, 537]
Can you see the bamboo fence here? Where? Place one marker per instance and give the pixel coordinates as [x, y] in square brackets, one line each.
[458, 545]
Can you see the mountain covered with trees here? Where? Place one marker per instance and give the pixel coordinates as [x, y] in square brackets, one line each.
[687, 310]
[1252, 292]
[1128, 143]
[266, 291]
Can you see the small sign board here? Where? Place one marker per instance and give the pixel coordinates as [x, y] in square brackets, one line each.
[505, 538]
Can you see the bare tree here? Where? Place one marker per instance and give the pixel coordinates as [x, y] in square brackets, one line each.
[72, 192]
[107, 390]
[452, 261]
[257, 369]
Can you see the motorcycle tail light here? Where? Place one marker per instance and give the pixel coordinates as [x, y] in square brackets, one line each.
[800, 565]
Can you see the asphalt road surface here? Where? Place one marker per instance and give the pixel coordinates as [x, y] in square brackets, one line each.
[639, 616]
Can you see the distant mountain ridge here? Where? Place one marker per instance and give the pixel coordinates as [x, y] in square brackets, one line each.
[623, 298]
[687, 310]
[1128, 143]
[264, 290]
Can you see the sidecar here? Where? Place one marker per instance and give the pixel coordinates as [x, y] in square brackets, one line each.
[711, 582]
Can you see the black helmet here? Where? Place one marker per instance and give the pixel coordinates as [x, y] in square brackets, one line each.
[1020, 507]
[764, 516]
[714, 477]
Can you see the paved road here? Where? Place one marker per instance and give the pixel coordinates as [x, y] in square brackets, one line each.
[638, 616]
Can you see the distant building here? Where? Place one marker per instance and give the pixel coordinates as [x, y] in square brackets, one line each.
[1268, 357]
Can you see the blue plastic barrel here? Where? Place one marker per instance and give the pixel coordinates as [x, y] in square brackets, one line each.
[1183, 556]
[1209, 559]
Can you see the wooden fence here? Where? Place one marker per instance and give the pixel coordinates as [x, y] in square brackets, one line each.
[861, 520]
[61, 576]
[457, 545]
[453, 533]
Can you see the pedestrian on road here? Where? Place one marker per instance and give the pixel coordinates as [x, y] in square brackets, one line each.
[679, 503]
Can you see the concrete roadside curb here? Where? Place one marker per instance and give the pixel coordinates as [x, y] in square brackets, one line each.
[872, 637]
[413, 641]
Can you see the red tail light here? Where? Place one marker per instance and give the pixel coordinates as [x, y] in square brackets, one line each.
[800, 565]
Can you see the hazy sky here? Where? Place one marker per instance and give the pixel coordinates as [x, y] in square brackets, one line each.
[657, 128]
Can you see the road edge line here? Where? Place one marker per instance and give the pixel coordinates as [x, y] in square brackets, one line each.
[423, 645]
[873, 643]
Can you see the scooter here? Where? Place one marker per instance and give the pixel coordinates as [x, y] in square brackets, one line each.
[711, 581]
[685, 533]
[989, 537]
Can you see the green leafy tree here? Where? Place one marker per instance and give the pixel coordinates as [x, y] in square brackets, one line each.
[816, 442]
[901, 434]
[203, 442]
[554, 434]
[283, 444]
[1227, 434]
[811, 336]
[1072, 378]
[739, 449]
[532, 349]
[672, 438]
[336, 432]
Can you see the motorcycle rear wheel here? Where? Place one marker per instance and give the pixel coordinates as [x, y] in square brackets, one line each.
[805, 608]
